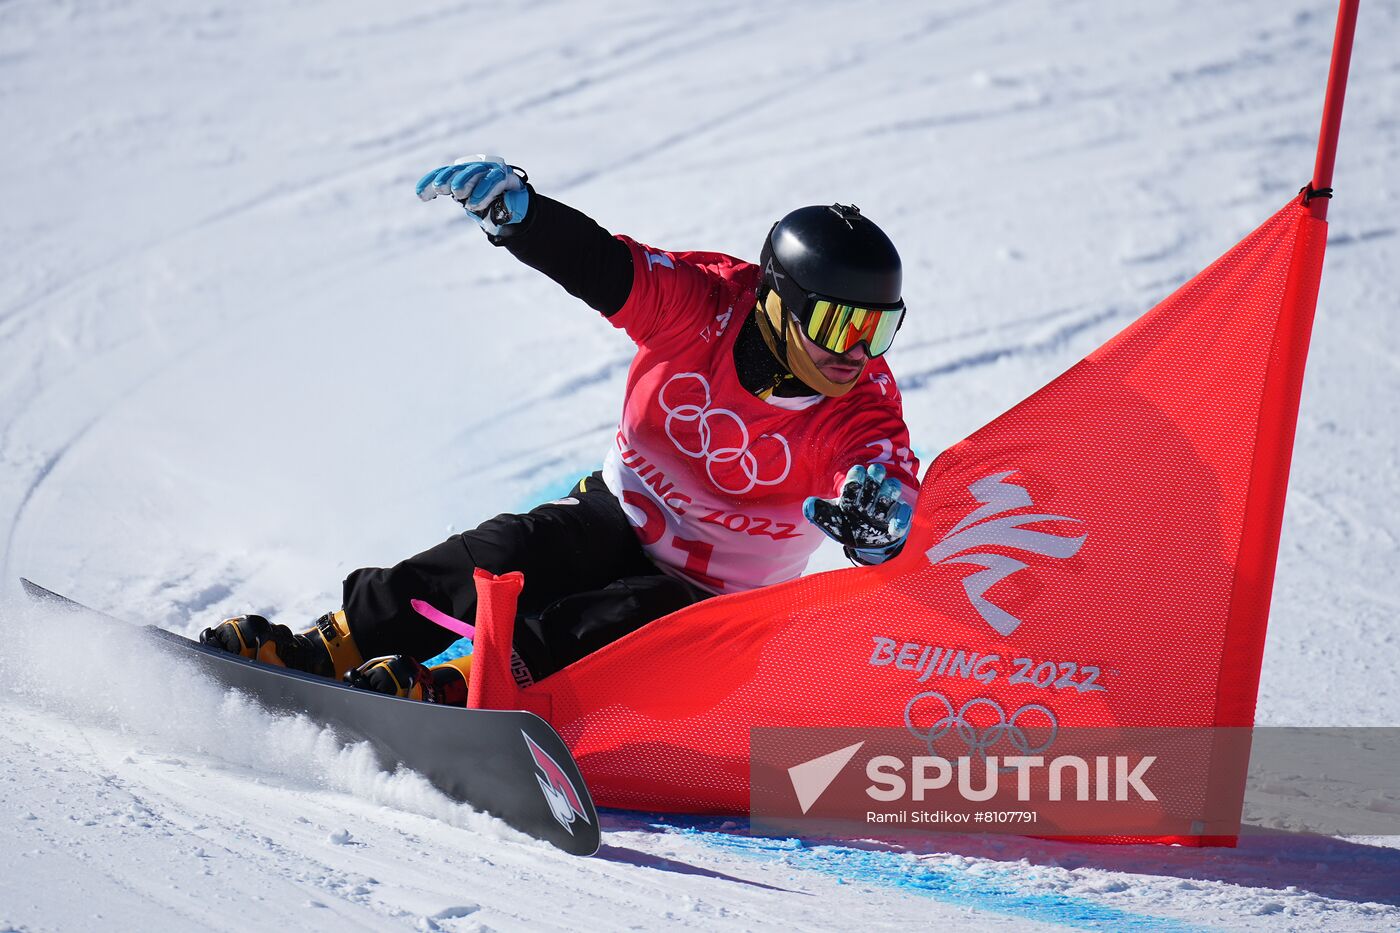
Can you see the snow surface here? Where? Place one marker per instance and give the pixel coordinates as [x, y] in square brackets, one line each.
[238, 358]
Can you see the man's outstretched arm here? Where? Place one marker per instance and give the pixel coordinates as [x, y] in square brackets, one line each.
[563, 243]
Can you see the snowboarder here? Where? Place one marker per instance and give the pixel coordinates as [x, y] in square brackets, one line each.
[759, 414]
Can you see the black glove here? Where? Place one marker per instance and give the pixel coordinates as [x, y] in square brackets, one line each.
[869, 517]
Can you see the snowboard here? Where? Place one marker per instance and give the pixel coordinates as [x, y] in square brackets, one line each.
[508, 763]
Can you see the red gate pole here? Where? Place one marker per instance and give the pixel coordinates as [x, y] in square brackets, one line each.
[1332, 106]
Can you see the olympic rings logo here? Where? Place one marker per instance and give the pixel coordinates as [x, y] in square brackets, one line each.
[980, 739]
[719, 437]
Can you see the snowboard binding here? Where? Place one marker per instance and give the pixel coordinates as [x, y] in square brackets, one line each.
[327, 649]
[402, 676]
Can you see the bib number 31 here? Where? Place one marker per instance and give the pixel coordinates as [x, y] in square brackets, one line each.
[695, 554]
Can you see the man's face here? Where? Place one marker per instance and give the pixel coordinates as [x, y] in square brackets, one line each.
[838, 367]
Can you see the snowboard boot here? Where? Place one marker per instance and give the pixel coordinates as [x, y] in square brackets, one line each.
[401, 676]
[327, 649]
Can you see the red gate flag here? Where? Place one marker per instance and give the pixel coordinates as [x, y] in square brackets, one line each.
[1104, 550]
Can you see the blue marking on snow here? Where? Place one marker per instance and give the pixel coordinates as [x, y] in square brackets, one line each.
[457, 649]
[967, 883]
[554, 489]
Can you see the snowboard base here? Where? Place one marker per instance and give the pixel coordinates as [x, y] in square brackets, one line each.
[508, 763]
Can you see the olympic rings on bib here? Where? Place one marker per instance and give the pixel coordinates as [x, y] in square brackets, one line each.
[701, 428]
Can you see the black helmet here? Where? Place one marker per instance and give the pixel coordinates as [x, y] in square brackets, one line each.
[837, 253]
[830, 277]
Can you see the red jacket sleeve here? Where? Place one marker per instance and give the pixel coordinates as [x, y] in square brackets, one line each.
[876, 433]
[671, 297]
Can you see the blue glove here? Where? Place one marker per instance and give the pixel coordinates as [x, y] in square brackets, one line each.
[868, 517]
[490, 190]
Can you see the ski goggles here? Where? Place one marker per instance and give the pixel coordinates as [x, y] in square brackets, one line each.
[838, 327]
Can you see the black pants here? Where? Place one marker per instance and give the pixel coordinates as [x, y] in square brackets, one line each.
[587, 583]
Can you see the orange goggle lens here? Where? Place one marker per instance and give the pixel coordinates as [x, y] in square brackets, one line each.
[838, 327]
